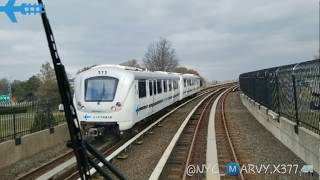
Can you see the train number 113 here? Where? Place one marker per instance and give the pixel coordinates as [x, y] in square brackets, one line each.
[102, 73]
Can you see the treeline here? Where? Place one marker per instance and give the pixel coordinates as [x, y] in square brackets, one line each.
[160, 56]
[177, 69]
[42, 86]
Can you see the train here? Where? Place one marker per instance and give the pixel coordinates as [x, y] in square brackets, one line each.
[118, 97]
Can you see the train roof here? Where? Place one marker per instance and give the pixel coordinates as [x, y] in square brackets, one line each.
[190, 76]
[139, 73]
[117, 66]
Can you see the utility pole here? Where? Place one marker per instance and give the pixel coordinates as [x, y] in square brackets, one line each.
[84, 152]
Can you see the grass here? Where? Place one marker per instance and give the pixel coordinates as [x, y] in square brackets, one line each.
[24, 123]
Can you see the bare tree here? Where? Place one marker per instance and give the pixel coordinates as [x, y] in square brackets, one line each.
[161, 56]
[131, 63]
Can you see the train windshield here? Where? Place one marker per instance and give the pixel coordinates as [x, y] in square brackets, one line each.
[100, 89]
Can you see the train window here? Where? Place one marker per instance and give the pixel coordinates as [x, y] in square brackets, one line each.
[165, 85]
[159, 86]
[170, 85]
[175, 84]
[100, 89]
[154, 87]
[150, 87]
[185, 82]
[142, 88]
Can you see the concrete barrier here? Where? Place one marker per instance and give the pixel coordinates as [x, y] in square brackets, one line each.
[305, 144]
[32, 144]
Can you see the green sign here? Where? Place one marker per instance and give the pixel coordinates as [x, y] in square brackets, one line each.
[4, 99]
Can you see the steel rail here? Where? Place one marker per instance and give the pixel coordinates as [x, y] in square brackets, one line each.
[129, 142]
[223, 114]
[195, 135]
[66, 162]
[165, 156]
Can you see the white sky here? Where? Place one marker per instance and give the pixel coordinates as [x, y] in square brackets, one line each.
[219, 38]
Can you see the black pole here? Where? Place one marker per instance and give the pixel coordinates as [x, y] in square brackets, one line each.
[66, 98]
[296, 128]
[278, 95]
[77, 143]
[99, 156]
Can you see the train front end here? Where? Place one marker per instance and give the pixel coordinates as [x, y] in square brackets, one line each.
[101, 97]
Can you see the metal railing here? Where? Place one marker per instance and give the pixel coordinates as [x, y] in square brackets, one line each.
[17, 120]
[292, 91]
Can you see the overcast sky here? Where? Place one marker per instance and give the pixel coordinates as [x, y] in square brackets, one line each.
[219, 38]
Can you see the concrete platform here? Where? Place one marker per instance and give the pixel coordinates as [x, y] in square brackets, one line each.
[260, 144]
[305, 144]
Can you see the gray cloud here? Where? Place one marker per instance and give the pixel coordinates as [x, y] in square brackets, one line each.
[221, 39]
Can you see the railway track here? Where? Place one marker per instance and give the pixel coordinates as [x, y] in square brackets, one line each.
[227, 140]
[189, 144]
[132, 140]
[36, 172]
[60, 160]
[63, 167]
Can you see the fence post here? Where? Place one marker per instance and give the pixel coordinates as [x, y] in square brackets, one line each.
[278, 96]
[17, 140]
[296, 127]
[50, 123]
[14, 124]
[253, 88]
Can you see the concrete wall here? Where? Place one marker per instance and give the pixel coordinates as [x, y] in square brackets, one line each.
[32, 144]
[305, 144]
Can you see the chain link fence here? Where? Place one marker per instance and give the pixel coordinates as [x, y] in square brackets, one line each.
[292, 91]
[17, 120]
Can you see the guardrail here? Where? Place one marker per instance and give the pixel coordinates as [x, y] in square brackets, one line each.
[292, 91]
[17, 120]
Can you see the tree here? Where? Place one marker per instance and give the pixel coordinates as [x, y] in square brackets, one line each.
[25, 90]
[160, 56]
[185, 70]
[48, 88]
[131, 63]
[4, 86]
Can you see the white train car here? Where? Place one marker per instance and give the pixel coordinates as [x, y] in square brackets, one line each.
[189, 85]
[112, 95]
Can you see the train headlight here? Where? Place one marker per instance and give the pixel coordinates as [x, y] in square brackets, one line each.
[113, 108]
[118, 104]
[80, 106]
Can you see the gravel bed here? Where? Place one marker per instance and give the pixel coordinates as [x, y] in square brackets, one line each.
[260, 144]
[36, 160]
[143, 158]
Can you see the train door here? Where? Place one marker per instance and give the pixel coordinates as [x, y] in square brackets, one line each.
[156, 86]
[142, 99]
[151, 96]
[171, 91]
